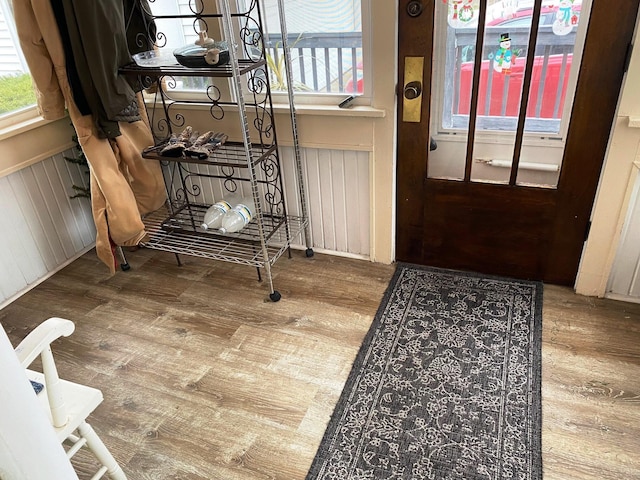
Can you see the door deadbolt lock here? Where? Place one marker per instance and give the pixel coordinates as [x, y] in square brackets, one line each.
[414, 9]
[412, 90]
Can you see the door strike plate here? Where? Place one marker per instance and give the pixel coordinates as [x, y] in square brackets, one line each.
[412, 90]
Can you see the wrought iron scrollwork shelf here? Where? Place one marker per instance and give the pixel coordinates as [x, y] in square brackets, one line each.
[234, 167]
[180, 71]
[231, 154]
[180, 233]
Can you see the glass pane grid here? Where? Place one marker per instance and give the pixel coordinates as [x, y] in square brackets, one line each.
[507, 30]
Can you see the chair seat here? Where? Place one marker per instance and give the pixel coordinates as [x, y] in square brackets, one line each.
[80, 402]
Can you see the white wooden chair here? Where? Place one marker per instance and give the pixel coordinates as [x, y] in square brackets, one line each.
[67, 404]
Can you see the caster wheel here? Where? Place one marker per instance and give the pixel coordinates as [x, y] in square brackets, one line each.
[309, 252]
[275, 296]
[125, 266]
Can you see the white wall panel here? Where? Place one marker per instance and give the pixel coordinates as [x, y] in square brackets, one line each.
[336, 186]
[17, 239]
[32, 177]
[326, 200]
[338, 194]
[624, 281]
[314, 195]
[339, 200]
[41, 227]
[11, 278]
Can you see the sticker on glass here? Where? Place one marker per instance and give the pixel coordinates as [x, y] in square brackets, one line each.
[504, 58]
[461, 12]
[566, 18]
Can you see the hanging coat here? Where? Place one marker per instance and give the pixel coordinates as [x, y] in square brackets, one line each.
[124, 186]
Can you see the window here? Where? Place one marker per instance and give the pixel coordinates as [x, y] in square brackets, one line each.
[500, 93]
[555, 60]
[16, 90]
[325, 40]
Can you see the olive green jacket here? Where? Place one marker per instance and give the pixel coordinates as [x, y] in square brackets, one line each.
[124, 186]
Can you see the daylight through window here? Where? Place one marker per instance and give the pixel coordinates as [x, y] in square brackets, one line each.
[324, 37]
[16, 90]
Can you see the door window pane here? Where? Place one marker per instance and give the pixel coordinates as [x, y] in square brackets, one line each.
[500, 97]
[451, 86]
[498, 101]
[555, 66]
[555, 70]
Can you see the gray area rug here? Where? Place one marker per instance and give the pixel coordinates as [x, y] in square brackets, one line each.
[445, 386]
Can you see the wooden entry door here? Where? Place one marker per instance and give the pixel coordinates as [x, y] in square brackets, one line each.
[505, 226]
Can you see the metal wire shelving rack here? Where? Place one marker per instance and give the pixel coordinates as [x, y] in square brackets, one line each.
[252, 162]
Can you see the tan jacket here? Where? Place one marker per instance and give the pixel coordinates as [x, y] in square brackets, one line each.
[124, 186]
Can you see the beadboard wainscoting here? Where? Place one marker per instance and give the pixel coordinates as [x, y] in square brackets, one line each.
[624, 281]
[337, 187]
[43, 229]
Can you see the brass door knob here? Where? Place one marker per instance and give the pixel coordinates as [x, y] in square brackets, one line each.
[412, 90]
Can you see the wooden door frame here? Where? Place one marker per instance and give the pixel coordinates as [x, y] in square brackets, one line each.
[603, 68]
[409, 218]
[598, 115]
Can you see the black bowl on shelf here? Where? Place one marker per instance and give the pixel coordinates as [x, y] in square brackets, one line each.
[196, 56]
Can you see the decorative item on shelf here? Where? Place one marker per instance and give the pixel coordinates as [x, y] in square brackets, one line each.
[204, 40]
[155, 58]
[205, 53]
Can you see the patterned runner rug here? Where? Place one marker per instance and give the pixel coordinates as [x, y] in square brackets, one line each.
[446, 384]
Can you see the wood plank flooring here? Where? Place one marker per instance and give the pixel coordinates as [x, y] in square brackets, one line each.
[205, 379]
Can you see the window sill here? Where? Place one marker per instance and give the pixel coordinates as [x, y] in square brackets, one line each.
[31, 141]
[501, 138]
[362, 111]
[333, 110]
[23, 126]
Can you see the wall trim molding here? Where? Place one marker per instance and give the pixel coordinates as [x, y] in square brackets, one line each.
[46, 277]
[42, 140]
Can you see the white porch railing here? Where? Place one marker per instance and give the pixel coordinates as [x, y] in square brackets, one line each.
[499, 94]
[322, 62]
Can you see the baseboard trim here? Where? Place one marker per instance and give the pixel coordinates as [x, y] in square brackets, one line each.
[31, 286]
